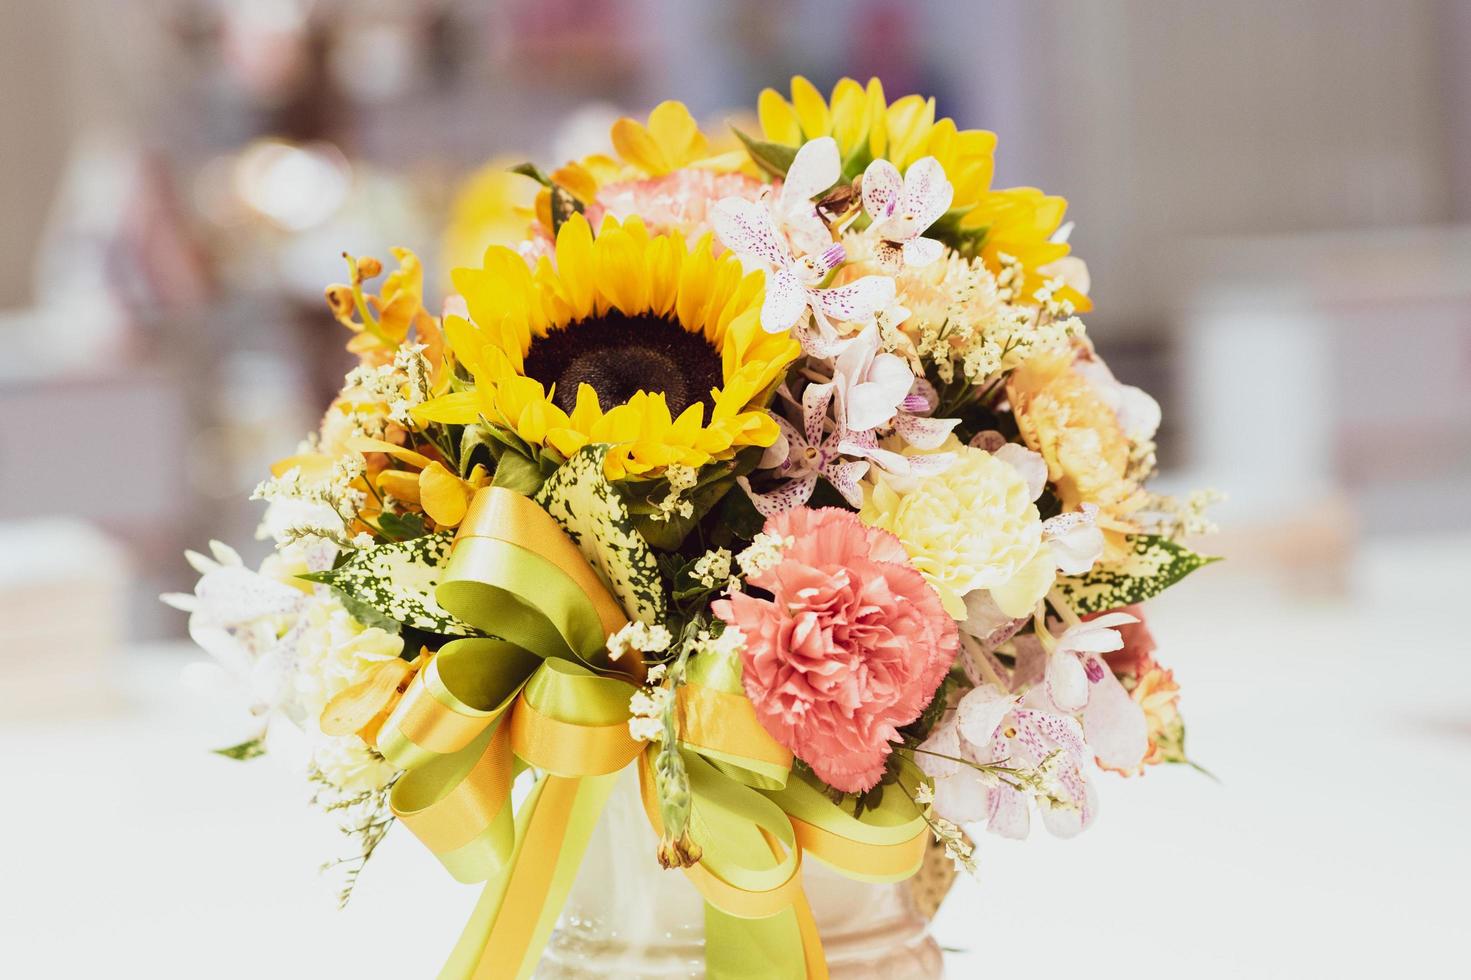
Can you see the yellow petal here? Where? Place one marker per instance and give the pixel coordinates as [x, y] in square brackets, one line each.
[313, 466]
[456, 408]
[778, 120]
[1019, 597]
[575, 266]
[445, 497]
[636, 145]
[400, 485]
[362, 444]
[811, 108]
[677, 133]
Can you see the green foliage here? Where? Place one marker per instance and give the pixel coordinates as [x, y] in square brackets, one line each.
[774, 158]
[251, 748]
[397, 580]
[592, 511]
[402, 527]
[1152, 565]
[564, 204]
[668, 532]
[967, 241]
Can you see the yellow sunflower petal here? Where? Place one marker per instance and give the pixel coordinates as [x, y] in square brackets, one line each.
[575, 265]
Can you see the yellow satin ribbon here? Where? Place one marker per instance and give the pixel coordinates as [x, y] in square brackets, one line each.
[545, 696]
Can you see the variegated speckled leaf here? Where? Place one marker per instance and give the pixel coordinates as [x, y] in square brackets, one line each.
[1152, 565]
[398, 580]
[594, 515]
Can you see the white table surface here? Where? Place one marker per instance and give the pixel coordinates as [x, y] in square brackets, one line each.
[1335, 843]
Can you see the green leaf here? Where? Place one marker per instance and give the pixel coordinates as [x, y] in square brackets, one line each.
[592, 511]
[564, 204]
[398, 580]
[967, 241]
[402, 527]
[774, 158]
[715, 481]
[252, 748]
[858, 160]
[1152, 565]
[529, 169]
[515, 472]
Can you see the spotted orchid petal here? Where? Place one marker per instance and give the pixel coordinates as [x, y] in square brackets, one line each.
[1029, 464]
[785, 302]
[1114, 723]
[882, 186]
[815, 400]
[844, 477]
[858, 300]
[923, 433]
[927, 194]
[1075, 540]
[1008, 814]
[919, 252]
[794, 493]
[982, 711]
[940, 752]
[746, 228]
[1066, 680]
[778, 452]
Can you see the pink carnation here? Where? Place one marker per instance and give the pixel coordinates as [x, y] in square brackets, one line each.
[851, 645]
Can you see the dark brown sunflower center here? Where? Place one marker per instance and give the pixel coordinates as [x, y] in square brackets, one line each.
[619, 355]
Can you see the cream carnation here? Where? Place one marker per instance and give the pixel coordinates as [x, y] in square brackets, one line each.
[970, 526]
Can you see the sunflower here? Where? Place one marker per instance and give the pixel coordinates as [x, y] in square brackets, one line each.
[1018, 222]
[630, 339]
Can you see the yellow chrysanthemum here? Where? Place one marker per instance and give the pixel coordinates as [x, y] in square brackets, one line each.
[628, 338]
[1019, 221]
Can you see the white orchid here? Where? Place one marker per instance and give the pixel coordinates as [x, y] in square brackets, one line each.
[246, 621]
[814, 169]
[806, 454]
[1078, 681]
[990, 726]
[793, 284]
[902, 209]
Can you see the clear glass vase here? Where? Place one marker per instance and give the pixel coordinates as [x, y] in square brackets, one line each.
[626, 917]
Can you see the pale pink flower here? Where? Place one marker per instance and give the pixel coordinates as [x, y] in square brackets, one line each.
[850, 646]
[992, 727]
[680, 201]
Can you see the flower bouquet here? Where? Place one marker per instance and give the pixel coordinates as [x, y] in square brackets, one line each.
[780, 473]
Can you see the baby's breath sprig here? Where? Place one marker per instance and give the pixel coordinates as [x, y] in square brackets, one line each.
[365, 819]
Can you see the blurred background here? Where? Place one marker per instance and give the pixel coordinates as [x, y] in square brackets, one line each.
[1274, 200]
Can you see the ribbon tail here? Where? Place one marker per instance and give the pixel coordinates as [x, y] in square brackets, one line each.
[514, 918]
[761, 949]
